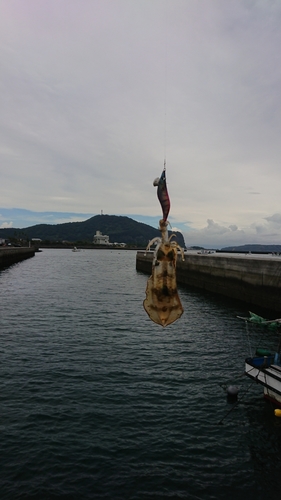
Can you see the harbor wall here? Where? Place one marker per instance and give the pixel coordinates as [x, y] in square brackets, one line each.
[11, 255]
[250, 278]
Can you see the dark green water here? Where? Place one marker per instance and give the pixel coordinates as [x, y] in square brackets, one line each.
[99, 402]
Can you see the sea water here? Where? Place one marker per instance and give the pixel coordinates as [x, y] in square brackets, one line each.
[99, 402]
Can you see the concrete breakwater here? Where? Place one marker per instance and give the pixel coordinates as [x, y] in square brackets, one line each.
[11, 255]
[255, 279]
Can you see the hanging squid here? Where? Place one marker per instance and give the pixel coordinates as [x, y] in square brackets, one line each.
[162, 302]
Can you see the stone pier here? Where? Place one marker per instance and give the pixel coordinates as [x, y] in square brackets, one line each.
[255, 279]
[11, 255]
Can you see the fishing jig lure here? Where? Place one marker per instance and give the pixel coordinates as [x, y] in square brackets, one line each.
[162, 302]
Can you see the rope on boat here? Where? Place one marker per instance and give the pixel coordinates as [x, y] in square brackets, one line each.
[248, 335]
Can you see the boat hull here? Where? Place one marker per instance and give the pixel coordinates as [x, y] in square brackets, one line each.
[268, 375]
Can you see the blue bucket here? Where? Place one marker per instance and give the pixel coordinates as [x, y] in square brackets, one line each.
[261, 361]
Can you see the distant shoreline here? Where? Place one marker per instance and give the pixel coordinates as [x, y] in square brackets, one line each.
[90, 247]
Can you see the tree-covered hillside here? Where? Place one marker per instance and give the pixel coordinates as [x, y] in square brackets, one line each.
[119, 229]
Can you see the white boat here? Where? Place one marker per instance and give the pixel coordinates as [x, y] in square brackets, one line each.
[75, 249]
[265, 366]
[265, 372]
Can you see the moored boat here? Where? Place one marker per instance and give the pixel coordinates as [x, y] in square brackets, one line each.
[265, 372]
[265, 366]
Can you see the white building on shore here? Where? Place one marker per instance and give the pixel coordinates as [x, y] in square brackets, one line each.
[101, 239]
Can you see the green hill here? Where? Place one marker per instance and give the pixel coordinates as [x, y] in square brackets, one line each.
[120, 229]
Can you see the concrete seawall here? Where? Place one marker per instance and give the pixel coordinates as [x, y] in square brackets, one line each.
[11, 255]
[253, 279]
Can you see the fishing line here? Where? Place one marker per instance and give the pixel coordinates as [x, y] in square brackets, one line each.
[165, 85]
[248, 336]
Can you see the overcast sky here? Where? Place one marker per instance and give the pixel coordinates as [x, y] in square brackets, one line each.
[96, 93]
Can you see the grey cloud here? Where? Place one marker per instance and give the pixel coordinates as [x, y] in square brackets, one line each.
[275, 218]
[95, 95]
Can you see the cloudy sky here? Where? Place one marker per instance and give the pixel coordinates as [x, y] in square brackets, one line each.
[96, 93]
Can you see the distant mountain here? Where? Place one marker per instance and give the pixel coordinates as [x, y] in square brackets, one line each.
[254, 248]
[119, 229]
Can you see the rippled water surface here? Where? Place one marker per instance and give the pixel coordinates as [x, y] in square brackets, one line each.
[99, 402]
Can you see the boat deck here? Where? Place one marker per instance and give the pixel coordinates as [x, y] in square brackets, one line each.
[268, 376]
